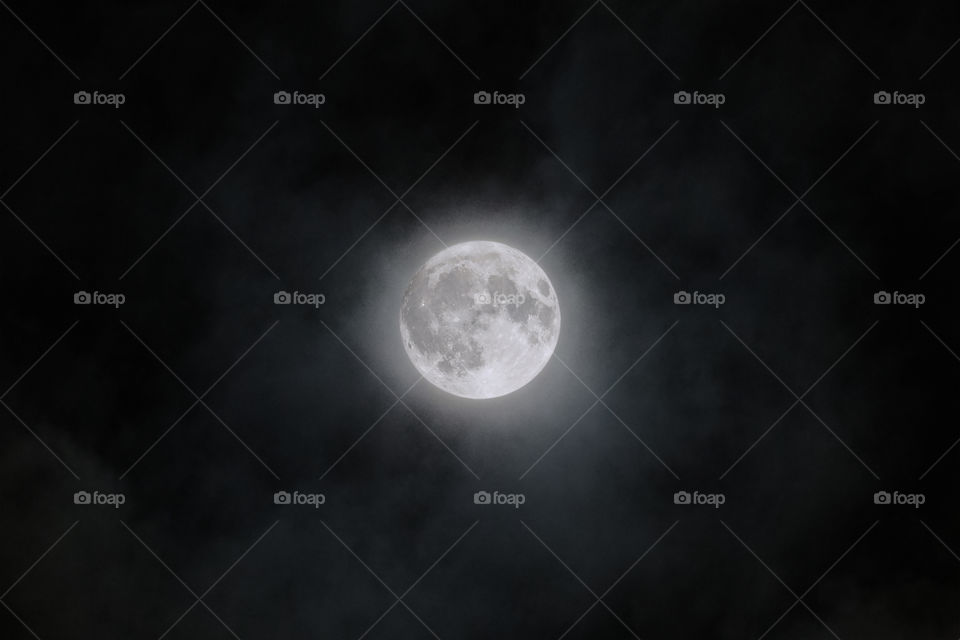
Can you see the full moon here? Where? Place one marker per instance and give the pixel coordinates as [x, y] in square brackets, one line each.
[480, 319]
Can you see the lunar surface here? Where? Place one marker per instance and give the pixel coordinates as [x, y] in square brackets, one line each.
[480, 319]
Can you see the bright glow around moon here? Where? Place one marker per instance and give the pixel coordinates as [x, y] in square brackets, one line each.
[480, 319]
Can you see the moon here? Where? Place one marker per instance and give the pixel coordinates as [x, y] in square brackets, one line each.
[480, 319]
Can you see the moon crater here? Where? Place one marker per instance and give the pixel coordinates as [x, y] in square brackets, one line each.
[480, 319]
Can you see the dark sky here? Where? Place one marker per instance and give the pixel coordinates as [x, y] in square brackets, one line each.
[797, 400]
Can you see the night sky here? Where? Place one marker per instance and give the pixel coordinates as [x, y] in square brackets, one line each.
[799, 403]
